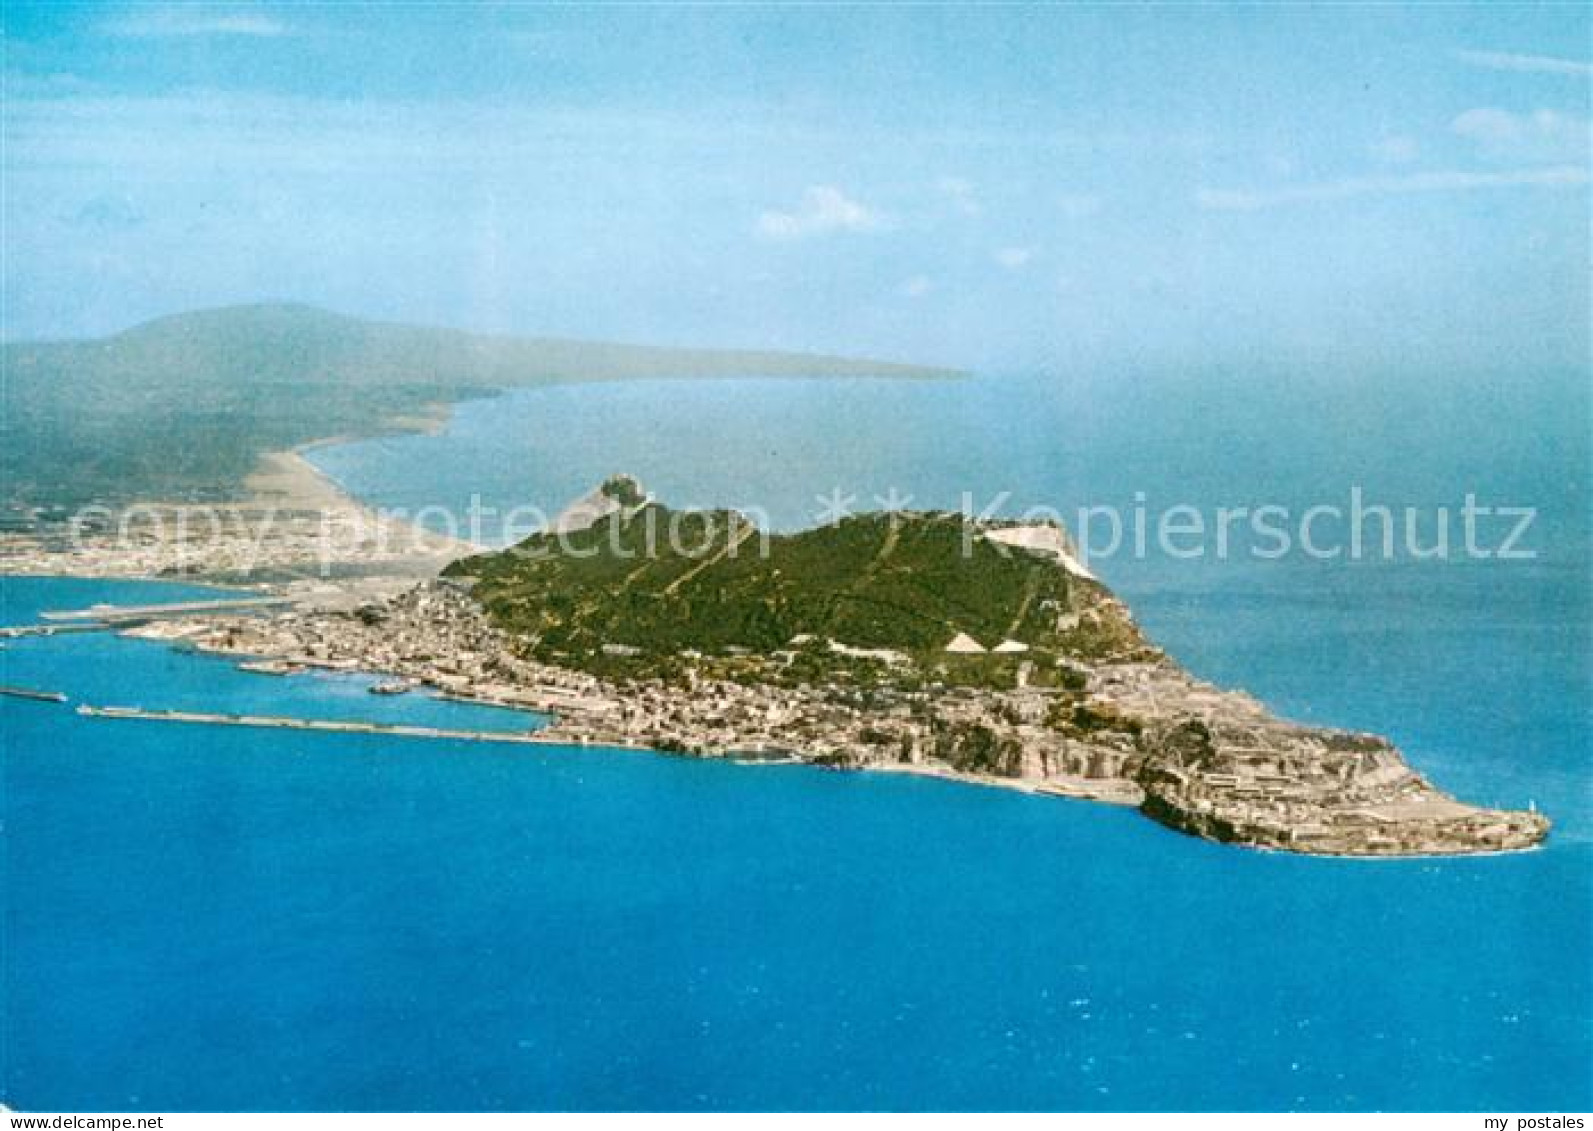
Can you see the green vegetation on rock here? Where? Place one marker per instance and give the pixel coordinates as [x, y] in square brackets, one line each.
[873, 599]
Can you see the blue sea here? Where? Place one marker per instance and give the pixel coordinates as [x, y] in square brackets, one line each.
[216, 918]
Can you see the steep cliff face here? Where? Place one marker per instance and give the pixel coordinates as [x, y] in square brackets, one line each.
[934, 642]
[1274, 784]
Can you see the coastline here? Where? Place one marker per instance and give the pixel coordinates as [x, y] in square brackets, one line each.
[365, 600]
[1368, 803]
[580, 711]
[295, 525]
[558, 729]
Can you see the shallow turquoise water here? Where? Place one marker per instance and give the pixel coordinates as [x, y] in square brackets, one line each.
[213, 918]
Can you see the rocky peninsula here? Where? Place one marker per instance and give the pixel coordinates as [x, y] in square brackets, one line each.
[926, 643]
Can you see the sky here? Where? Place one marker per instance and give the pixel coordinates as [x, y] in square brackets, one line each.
[995, 186]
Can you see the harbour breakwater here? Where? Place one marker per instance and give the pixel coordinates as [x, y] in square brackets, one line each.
[33, 693]
[341, 726]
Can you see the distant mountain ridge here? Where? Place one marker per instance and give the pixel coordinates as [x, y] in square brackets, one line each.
[183, 406]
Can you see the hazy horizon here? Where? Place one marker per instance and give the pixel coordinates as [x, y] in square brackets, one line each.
[1378, 187]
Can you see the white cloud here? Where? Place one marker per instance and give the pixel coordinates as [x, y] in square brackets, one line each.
[962, 194]
[1542, 135]
[1078, 205]
[1396, 149]
[918, 286]
[1248, 200]
[823, 209]
[1013, 258]
[1537, 64]
[177, 21]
